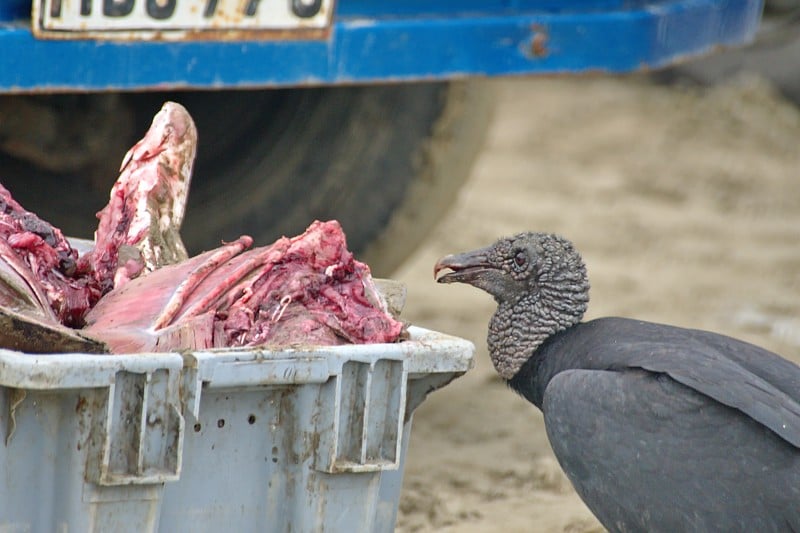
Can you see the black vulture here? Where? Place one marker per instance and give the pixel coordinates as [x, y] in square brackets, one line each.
[659, 428]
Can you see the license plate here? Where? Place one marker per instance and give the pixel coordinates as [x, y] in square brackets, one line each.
[181, 19]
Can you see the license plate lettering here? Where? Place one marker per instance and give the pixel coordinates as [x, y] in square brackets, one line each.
[211, 7]
[156, 9]
[250, 10]
[161, 9]
[177, 19]
[116, 8]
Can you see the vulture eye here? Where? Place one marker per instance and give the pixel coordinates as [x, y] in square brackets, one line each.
[520, 260]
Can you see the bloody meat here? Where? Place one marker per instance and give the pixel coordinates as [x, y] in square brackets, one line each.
[137, 291]
[45, 265]
[139, 228]
[305, 290]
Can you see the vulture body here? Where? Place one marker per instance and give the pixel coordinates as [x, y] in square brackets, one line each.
[658, 428]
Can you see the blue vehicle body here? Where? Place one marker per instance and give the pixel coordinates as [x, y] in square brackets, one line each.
[378, 41]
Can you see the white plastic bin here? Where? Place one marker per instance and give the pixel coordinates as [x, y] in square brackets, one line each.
[234, 440]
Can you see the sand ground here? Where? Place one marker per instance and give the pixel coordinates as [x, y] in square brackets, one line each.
[686, 205]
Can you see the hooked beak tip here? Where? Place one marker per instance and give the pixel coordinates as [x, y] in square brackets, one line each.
[440, 265]
[461, 267]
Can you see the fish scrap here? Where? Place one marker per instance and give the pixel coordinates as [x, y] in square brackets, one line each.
[138, 291]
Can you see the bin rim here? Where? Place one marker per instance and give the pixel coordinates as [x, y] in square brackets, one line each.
[426, 351]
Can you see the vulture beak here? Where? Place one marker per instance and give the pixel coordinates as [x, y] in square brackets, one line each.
[467, 267]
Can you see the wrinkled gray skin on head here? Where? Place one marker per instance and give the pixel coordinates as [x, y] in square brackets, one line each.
[540, 285]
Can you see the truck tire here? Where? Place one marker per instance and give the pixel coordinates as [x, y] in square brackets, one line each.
[385, 160]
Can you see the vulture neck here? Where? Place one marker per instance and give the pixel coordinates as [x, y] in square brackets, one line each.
[518, 329]
[550, 358]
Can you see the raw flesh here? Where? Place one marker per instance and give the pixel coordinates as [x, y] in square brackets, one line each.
[139, 228]
[306, 290]
[136, 290]
[40, 267]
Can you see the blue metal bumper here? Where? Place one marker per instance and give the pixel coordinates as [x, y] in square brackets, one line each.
[375, 41]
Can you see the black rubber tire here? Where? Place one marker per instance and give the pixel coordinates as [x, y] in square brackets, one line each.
[386, 161]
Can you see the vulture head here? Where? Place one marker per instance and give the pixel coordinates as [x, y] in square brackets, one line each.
[540, 285]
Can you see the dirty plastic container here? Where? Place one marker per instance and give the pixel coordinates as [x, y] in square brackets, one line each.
[233, 440]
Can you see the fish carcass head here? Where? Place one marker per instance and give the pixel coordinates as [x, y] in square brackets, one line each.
[173, 138]
[139, 229]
